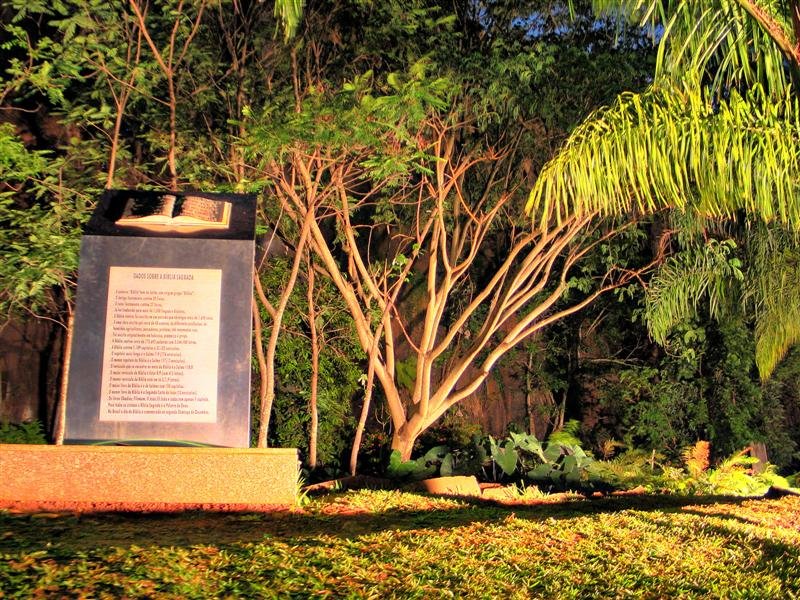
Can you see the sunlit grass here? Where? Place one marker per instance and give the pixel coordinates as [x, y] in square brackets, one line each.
[390, 544]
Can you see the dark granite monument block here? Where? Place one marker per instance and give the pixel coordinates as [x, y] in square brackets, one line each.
[161, 350]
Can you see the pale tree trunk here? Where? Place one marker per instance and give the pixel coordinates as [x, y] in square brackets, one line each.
[404, 437]
[312, 400]
[121, 101]
[258, 329]
[265, 412]
[529, 395]
[448, 232]
[362, 419]
[112, 154]
[59, 425]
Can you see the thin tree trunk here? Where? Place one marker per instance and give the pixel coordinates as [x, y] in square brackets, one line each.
[59, 426]
[258, 329]
[529, 395]
[312, 321]
[168, 66]
[121, 102]
[112, 153]
[173, 133]
[362, 419]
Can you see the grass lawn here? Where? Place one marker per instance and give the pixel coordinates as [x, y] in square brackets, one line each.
[392, 544]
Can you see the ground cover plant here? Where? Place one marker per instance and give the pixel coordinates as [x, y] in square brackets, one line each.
[396, 544]
[560, 463]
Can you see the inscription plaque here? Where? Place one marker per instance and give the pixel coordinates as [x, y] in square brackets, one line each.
[161, 346]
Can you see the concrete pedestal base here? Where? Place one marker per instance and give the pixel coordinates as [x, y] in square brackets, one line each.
[95, 478]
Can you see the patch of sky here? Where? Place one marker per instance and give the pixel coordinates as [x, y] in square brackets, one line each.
[560, 20]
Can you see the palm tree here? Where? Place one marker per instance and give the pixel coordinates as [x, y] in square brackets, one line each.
[715, 136]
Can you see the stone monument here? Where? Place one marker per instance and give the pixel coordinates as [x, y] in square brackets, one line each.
[162, 339]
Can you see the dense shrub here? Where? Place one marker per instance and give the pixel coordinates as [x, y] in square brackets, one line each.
[22, 433]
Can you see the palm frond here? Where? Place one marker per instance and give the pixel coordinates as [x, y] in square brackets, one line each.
[708, 274]
[289, 12]
[715, 136]
[673, 147]
[774, 295]
[731, 43]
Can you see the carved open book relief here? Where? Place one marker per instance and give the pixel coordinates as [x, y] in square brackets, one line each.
[173, 210]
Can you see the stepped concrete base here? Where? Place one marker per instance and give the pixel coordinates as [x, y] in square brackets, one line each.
[148, 478]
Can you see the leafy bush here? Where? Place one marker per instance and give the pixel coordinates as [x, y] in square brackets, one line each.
[565, 465]
[559, 462]
[440, 460]
[633, 468]
[705, 387]
[733, 476]
[22, 433]
[427, 465]
[339, 371]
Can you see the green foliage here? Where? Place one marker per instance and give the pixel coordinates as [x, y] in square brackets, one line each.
[504, 455]
[567, 467]
[669, 148]
[560, 462]
[368, 76]
[715, 135]
[703, 387]
[424, 467]
[41, 222]
[372, 122]
[290, 13]
[406, 372]
[562, 465]
[710, 279]
[441, 460]
[301, 495]
[632, 469]
[719, 39]
[567, 435]
[339, 369]
[733, 476]
[660, 410]
[22, 433]
[685, 279]
[783, 412]
[51, 53]
[775, 258]
[359, 86]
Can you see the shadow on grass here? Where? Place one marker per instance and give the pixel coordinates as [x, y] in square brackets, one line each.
[764, 553]
[70, 532]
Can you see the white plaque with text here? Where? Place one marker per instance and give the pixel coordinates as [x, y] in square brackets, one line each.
[161, 345]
